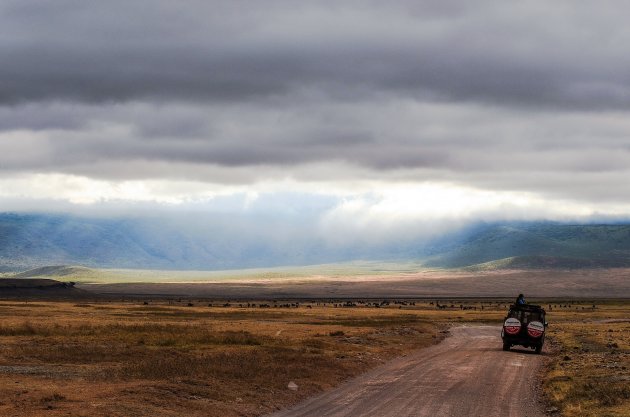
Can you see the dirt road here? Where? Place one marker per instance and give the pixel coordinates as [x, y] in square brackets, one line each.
[466, 375]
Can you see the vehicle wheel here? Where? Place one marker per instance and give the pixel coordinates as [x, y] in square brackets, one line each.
[506, 346]
[538, 349]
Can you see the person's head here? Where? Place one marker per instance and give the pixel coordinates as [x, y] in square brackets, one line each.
[521, 296]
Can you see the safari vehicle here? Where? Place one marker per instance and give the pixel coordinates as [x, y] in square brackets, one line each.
[525, 326]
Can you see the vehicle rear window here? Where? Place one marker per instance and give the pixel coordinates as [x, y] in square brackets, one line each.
[525, 316]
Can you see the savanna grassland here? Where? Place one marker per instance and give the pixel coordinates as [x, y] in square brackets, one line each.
[184, 357]
[589, 371]
[161, 359]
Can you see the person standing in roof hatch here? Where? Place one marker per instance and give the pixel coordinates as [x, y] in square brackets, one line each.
[520, 299]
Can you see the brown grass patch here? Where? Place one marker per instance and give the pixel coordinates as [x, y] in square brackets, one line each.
[120, 359]
[589, 374]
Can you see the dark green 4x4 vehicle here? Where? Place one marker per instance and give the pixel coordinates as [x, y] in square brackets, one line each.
[524, 325]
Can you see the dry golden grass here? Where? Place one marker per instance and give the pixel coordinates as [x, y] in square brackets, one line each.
[171, 359]
[129, 359]
[589, 373]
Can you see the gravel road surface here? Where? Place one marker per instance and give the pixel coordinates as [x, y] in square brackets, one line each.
[466, 375]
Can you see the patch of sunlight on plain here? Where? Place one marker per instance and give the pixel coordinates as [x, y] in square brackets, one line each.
[356, 269]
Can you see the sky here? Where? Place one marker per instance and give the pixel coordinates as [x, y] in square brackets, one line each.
[369, 115]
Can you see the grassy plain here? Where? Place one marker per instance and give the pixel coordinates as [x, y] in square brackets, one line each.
[589, 371]
[347, 270]
[172, 359]
[169, 358]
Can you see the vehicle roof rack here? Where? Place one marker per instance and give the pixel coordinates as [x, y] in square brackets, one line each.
[527, 307]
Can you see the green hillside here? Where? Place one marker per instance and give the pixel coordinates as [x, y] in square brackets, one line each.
[539, 246]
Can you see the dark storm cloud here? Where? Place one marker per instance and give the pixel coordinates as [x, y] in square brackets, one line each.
[527, 96]
[566, 54]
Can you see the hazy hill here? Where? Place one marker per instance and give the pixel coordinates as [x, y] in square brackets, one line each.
[205, 243]
[33, 240]
[215, 243]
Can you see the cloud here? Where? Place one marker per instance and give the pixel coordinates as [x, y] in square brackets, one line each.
[569, 155]
[151, 101]
[535, 54]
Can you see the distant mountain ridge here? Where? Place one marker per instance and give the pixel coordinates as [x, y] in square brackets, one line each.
[538, 245]
[30, 241]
